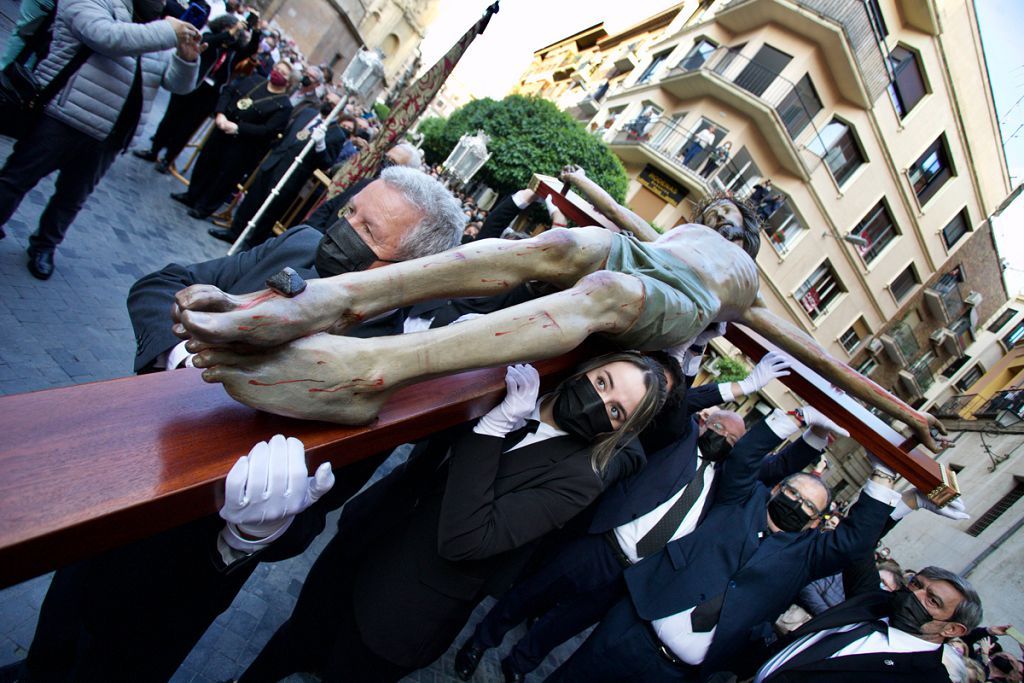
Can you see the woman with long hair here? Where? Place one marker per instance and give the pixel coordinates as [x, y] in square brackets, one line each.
[416, 552]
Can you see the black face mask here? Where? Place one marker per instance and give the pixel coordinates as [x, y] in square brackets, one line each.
[580, 411]
[305, 81]
[325, 109]
[907, 612]
[342, 250]
[713, 446]
[788, 514]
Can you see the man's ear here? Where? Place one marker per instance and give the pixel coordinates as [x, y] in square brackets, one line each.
[953, 630]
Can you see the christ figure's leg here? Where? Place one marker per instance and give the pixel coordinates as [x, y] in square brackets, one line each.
[346, 379]
[560, 256]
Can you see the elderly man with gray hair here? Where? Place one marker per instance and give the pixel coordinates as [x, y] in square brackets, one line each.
[134, 613]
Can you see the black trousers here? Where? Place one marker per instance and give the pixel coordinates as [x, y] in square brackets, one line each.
[184, 115]
[265, 181]
[53, 146]
[223, 163]
[568, 594]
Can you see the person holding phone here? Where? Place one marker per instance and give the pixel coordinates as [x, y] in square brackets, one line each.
[129, 53]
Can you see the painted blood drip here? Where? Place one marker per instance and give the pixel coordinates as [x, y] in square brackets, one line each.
[283, 381]
[266, 296]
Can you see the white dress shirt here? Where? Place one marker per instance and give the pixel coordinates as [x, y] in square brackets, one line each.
[894, 640]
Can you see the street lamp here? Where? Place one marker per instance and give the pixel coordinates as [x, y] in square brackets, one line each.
[363, 78]
[468, 156]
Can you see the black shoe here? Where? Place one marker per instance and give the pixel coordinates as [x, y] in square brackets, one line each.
[145, 155]
[181, 197]
[40, 264]
[467, 659]
[511, 675]
[196, 213]
[222, 234]
[162, 166]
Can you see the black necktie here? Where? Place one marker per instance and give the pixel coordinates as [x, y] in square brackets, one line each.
[831, 644]
[704, 617]
[517, 435]
[655, 539]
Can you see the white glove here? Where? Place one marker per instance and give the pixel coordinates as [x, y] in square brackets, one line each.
[319, 136]
[878, 466]
[689, 361]
[557, 217]
[266, 489]
[522, 384]
[814, 418]
[955, 509]
[772, 366]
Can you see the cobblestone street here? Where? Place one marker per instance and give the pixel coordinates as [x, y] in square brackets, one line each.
[74, 328]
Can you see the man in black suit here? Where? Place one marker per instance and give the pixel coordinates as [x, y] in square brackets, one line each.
[703, 603]
[134, 613]
[879, 635]
[636, 517]
[306, 124]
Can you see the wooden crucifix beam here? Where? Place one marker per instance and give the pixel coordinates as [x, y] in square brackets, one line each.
[576, 208]
[91, 467]
[895, 450]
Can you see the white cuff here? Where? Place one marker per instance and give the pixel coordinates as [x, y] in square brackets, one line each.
[233, 537]
[725, 389]
[816, 442]
[781, 424]
[881, 493]
[320, 145]
[519, 198]
[901, 511]
[178, 354]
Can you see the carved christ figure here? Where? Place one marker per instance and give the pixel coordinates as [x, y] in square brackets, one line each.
[287, 355]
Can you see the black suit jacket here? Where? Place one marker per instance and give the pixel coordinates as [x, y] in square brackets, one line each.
[281, 155]
[897, 667]
[431, 541]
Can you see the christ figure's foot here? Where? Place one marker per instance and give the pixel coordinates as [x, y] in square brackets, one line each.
[213, 317]
[320, 377]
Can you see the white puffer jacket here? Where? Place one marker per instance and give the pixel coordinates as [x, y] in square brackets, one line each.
[95, 94]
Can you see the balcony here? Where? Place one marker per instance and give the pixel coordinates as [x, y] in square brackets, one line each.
[842, 30]
[954, 407]
[664, 143]
[779, 108]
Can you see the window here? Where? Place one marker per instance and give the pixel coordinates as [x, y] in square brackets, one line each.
[903, 334]
[1001, 321]
[907, 87]
[877, 230]
[645, 77]
[838, 146]
[921, 369]
[762, 70]
[956, 229]
[697, 55]
[970, 377]
[904, 283]
[853, 337]
[868, 366]
[996, 511]
[799, 106]
[1015, 336]
[931, 171]
[876, 19]
[819, 290]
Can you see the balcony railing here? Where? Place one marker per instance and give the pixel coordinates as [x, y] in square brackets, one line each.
[795, 103]
[954, 405]
[1011, 401]
[675, 144]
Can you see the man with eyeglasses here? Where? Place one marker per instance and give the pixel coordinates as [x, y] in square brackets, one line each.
[705, 604]
[880, 635]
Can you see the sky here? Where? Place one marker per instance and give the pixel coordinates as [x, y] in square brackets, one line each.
[494, 62]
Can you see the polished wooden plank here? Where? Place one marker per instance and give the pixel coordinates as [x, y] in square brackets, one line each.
[91, 467]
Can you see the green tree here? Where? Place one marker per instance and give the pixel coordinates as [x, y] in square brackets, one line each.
[529, 135]
[731, 370]
[433, 147]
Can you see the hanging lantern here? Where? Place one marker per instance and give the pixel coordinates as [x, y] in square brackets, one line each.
[468, 156]
[364, 75]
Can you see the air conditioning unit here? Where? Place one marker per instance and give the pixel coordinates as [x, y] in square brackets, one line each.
[626, 62]
[588, 106]
[875, 346]
[893, 350]
[947, 340]
[910, 385]
[937, 336]
[973, 299]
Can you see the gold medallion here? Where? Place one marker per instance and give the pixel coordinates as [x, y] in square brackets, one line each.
[243, 104]
[303, 134]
